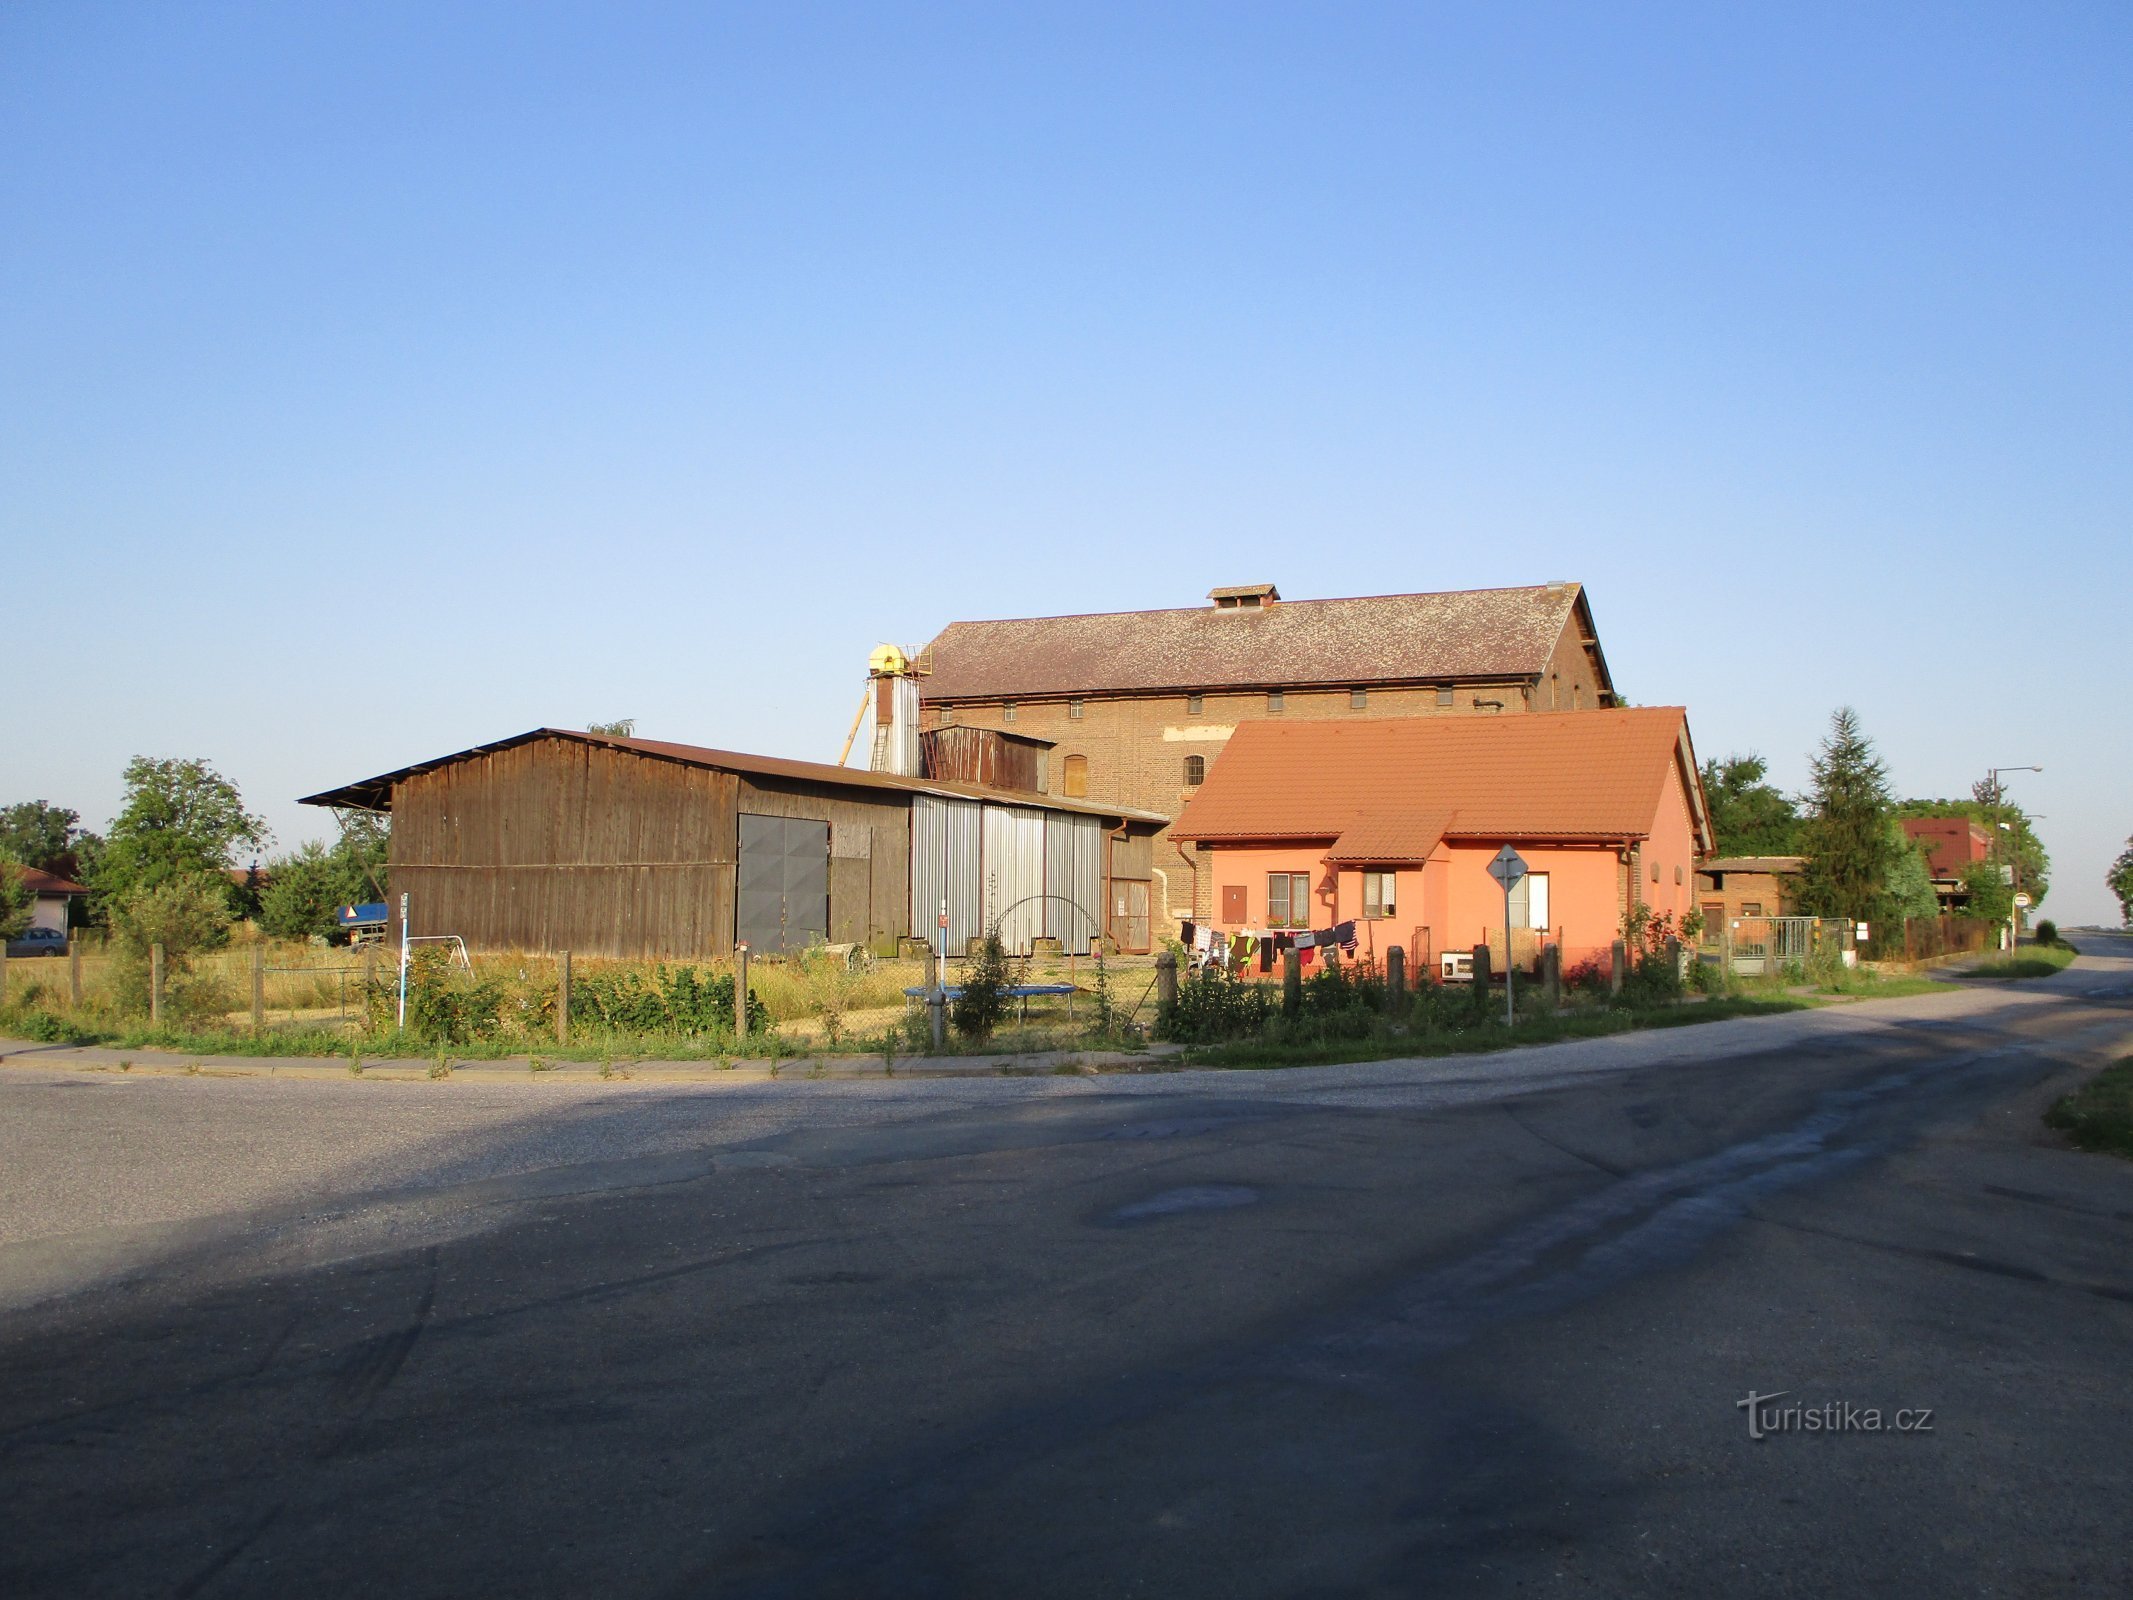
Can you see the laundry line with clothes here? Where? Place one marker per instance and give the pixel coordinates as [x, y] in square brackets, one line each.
[1209, 946]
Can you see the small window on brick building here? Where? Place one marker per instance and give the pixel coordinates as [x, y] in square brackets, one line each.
[947, 716]
[1074, 777]
[1378, 894]
[1444, 695]
[1074, 710]
[1007, 711]
[1195, 704]
[1358, 698]
[1195, 770]
[1275, 700]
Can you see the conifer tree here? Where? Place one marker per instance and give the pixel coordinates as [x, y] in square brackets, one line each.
[1848, 848]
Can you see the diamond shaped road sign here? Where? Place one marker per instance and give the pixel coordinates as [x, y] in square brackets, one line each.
[1507, 867]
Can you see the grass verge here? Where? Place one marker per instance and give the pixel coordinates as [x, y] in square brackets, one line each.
[2099, 1115]
[1484, 1036]
[2033, 961]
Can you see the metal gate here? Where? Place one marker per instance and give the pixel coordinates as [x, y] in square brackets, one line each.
[783, 903]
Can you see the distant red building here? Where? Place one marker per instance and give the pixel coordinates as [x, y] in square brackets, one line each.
[1952, 846]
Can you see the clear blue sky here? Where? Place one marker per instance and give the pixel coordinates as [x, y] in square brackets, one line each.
[378, 379]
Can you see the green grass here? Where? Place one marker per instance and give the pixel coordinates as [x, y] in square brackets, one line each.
[2032, 961]
[1484, 1036]
[2099, 1115]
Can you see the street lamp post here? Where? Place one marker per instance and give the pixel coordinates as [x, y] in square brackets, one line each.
[2014, 858]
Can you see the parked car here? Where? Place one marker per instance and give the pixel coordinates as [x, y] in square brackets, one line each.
[39, 942]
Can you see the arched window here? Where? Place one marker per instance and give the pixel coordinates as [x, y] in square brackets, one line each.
[1074, 777]
[1195, 770]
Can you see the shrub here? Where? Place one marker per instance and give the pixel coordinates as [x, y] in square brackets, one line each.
[1651, 980]
[1215, 1004]
[977, 1010]
[185, 915]
[2047, 932]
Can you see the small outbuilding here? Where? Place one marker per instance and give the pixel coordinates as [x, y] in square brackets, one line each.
[1389, 824]
[558, 840]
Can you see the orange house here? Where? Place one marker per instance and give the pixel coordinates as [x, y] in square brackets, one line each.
[1391, 824]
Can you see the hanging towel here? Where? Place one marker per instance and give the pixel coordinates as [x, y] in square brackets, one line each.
[1188, 934]
[1304, 941]
[1310, 954]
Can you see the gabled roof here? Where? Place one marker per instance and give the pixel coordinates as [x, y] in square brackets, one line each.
[1778, 865]
[1373, 639]
[375, 794]
[38, 881]
[1388, 788]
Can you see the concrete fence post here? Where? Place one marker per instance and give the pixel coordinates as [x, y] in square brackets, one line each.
[1552, 976]
[3, 972]
[1617, 967]
[1482, 972]
[1166, 982]
[740, 991]
[562, 997]
[1673, 958]
[1292, 978]
[259, 988]
[74, 973]
[1396, 981]
[155, 985]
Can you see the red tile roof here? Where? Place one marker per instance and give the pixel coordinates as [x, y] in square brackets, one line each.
[1398, 783]
[39, 881]
[1391, 638]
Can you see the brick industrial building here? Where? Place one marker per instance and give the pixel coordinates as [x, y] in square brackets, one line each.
[1137, 705]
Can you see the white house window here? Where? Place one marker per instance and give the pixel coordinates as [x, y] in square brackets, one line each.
[1007, 712]
[1529, 901]
[1379, 894]
[1074, 710]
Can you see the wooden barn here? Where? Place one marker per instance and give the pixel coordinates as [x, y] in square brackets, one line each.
[558, 840]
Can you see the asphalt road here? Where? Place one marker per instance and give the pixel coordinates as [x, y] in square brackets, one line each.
[1468, 1327]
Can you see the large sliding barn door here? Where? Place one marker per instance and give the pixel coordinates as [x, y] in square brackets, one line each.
[783, 904]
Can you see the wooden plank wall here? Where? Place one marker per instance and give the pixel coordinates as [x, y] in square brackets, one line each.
[560, 845]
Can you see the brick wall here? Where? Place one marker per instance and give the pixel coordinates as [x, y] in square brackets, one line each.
[1136, 746]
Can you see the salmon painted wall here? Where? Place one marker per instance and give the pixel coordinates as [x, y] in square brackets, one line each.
[1669, 883]
[1451, 902]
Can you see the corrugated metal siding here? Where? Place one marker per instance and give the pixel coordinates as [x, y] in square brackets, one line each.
[1014, 875]
[946, 840]
[1073, 880]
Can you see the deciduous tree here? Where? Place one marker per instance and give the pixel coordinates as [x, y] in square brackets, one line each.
[2120, 880]
[1750, 816]
[180, 819]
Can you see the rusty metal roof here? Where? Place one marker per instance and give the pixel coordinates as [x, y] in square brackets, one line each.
[1394, 783]
[1374, 639]
[375, 794]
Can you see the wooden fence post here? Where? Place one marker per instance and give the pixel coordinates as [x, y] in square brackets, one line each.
[155, 985]
[259, 987]
[1166, 982]
[1617, 966]
[3, 972]
[562, 997]
[740, 991]
[1291, 982]
[1481, 975]
[1396, 981]
[1552, 975]
[74, 973]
